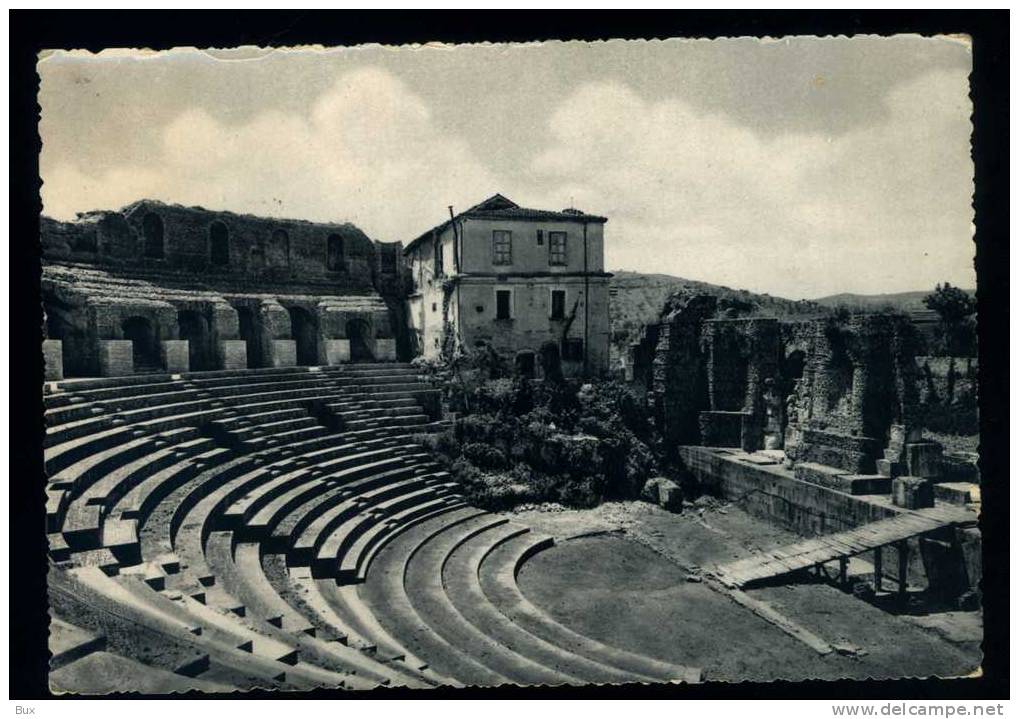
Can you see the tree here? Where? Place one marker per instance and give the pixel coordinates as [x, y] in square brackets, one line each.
[954, 308]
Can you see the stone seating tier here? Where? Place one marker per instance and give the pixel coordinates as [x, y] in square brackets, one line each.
[282, 529]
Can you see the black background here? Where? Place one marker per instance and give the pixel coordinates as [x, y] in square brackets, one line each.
[31, 31]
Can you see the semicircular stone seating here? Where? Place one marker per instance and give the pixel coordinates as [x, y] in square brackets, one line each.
[281, 528]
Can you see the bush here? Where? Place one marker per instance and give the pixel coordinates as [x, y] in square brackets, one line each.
[484, 456]
[523, 441]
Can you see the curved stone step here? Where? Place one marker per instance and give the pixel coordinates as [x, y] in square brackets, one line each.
[463, 587]
[385, 593]
[309, 603]
[498, 581]
[425, 587]
[240, 573]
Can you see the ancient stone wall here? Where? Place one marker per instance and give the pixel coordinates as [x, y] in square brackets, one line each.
[240, 290]
[158, 237]
[858, 393]
[678, 384]
[743, 359]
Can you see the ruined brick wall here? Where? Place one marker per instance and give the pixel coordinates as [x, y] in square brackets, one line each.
[743, 368]
[151, 236]
[214, 277]
[678, 380]
[859, 380]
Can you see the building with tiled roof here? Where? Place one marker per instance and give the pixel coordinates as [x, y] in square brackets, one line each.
[519, 280]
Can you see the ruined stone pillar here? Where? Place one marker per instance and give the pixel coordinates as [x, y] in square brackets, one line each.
[174, 355]
[231, 352]
[278, 347]
[53, 359]
[116, 358]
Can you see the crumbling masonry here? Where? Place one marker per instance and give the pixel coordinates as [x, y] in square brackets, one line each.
[839, 398]
[156, 287]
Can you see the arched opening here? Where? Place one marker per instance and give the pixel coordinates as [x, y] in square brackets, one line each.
[152, 230]
[335, 259]
[61, 325]
[279, 249]
[195, 329]
[144, 343]
[359, 334]
[793, 364]
[247, 330]
[219, 244]
[304, 331]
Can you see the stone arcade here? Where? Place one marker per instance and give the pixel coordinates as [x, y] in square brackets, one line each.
[156, 287]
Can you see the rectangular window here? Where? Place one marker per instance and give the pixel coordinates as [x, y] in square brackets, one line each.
[558, 305]
[557, 248]
[541, 238]
[438, 258]
[502, 247]
[573, 350]
[503, 302]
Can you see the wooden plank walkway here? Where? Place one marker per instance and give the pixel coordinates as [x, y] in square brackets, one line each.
[840, 545]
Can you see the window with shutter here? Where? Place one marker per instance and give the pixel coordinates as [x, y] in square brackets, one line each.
[502, 247]
[557, 248]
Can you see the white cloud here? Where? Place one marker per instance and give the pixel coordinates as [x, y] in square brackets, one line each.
[366, 151]
[883, 207]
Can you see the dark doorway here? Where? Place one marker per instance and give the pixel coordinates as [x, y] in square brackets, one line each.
[145, 344]
[248, 332]
[335, 261]
[304, 331]
[152, 229]
[219, 244]
[359, 334]
[525, 364]
[195, 329]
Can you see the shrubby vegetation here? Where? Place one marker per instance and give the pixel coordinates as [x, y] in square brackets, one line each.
[956, 333]
[519, 440]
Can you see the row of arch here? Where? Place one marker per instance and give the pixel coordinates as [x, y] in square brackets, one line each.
[194, 327]
[276, 254]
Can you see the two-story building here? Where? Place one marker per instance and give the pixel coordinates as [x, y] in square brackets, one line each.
[515, 279]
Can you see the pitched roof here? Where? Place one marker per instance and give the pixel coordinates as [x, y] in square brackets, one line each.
[498, 207]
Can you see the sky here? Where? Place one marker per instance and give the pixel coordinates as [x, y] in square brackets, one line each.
[800, 167]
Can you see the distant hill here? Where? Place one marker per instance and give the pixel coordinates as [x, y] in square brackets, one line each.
[909, 302]
[638, 298]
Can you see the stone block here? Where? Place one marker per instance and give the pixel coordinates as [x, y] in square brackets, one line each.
[337, 351]
[663, 492]
[970, 542]
[912, 492]
[385, 350]
[173, 355]
[820, 474]
[53, 358]
[284, 353]
[866, 484]
[960, 467]
[233, 354]
[923, 459]
[889, 468]
[116, 358]
[945, 567]
[955, 492]
[722, 429]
